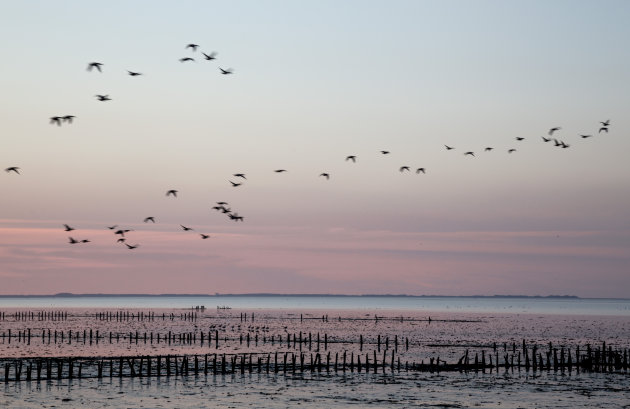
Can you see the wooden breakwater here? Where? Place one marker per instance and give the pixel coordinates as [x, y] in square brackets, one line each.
[601, 359]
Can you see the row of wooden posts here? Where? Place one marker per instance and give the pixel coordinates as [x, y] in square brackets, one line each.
[29, 369]
[299, 340]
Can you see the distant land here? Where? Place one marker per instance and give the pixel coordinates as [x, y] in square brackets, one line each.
[70, 295]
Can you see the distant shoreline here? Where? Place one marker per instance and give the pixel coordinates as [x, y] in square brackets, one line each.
[97, 295]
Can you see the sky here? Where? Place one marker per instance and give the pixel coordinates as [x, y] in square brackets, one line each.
[314, 82]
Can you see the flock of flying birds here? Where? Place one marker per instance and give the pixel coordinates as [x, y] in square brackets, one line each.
[222, 207]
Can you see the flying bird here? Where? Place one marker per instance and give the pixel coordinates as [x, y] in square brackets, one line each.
[193, 46]
[172, 192]
[236, 217]
[603, 128]
[556, 143]
[131, 247]
[72, 241]
[149, 219]
[55, 120]
[103, 97]
[511, 150]
[212, 56]
[13, 169]
[68, 118]
[586, 136]
[488, 149]
[222, 203]
[280, 170]
[564, 145]
[122, 232]
[121, 240]
[448, 148]
[404, 168]
[239, 175]
[420, 170]
[134, 74]
[204, 236]
[605, 123]
[546, 139]
[326, 175]
[234, 184]
[227, 71]
[96, 65]
[552, 130]
[520, 138]
[469, 153]
[85, 241]
[112, 227]
[186, 59]
[385, 152]
[68, 228]
[186, 228]
[352, 158]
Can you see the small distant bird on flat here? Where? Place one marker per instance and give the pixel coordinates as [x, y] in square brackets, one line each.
[186, 59]
[172, 192]
[204, 236]
[226, 71]
[134, 74]
[420, 170]
[239, 175]
[448, 148]
[68, 118]
[103, 97]
[149, 219]
[56, 120]
[211, 56]
[326, 175]
[96, 65]
[186, 228]
[552, 130]
[13, 169]
[193, 46]
[404, 168]
[234, 184]
[353, 158]
[68, 228]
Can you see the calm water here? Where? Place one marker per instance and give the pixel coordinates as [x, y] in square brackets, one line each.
[564, 306]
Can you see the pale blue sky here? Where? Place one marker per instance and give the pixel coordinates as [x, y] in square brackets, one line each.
[314, 82]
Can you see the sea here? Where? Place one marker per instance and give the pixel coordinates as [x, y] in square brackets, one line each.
[432, 327]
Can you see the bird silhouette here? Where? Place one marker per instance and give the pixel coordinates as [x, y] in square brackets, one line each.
[103, 97]
[68, 118]
[605, 123]
[353, 158]
[385, 152]
[55, 120]
[172, 192]
[488, 149]
[552, 130]
[520, 138]
[211, 56]
[122, 232]
[96, 65]
[556, 143]
[186, 59]
[420, 170]
[131, 247]
[149, 219]
[204, 236]
[72, 240]
[603, 128]
[121, 240]
[469, 153]
[222, 203]
[234, 184]
[511, 150]
[448, 148]
[239, 175]
[68, 228]
[586, 136]
[546, 139]
[564, 145]
[326, 175]
[226, 71]
[134, 74]
[236, 217]
[280, 170]
[13, 169]
[85, 241]
[193, 46]
[186, 228]
[112, 227]
[404, 168]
